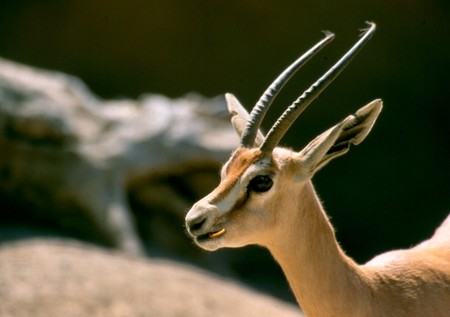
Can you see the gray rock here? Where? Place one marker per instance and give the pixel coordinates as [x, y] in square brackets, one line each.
[65, 151]
[55, 278]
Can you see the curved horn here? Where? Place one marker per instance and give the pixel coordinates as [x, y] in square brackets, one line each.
[259, 110]
[292, 112]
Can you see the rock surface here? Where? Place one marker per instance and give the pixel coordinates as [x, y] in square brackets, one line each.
[52, 278]
[67, 153]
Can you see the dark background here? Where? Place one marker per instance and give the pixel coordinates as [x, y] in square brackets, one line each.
[390, 192]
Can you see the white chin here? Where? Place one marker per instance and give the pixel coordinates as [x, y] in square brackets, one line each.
[210, 245]
[215, 244]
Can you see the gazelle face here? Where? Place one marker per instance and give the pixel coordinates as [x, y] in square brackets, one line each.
[261, 182]
[240, 210]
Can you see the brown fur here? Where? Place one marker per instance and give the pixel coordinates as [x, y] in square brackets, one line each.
[240, 161]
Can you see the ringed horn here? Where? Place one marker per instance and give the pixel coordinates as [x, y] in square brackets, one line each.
[295, 109]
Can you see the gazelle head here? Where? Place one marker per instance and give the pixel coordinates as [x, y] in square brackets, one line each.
[262, 184]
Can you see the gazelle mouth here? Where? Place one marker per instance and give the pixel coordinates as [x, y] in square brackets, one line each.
[210, 236]
[216, 234]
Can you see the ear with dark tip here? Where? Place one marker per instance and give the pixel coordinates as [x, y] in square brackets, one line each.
[337, 140]
[239, 117]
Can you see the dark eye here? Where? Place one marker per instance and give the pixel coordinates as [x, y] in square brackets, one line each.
[260, 184]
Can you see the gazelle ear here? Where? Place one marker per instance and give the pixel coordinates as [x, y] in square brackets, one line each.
[239, 117]
[337, 140]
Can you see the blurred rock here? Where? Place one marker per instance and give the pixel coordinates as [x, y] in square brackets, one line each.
[62, 278]
[71, 158]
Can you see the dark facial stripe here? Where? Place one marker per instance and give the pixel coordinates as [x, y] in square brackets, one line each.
[241, 160]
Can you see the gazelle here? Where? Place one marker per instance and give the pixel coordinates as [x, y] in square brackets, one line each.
[266, 197]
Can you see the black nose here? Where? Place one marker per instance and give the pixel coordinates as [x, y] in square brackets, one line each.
[195, 224]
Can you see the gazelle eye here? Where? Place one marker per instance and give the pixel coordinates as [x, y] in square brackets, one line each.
[260, 184]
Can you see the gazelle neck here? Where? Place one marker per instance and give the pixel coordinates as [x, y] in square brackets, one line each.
[324, 280]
